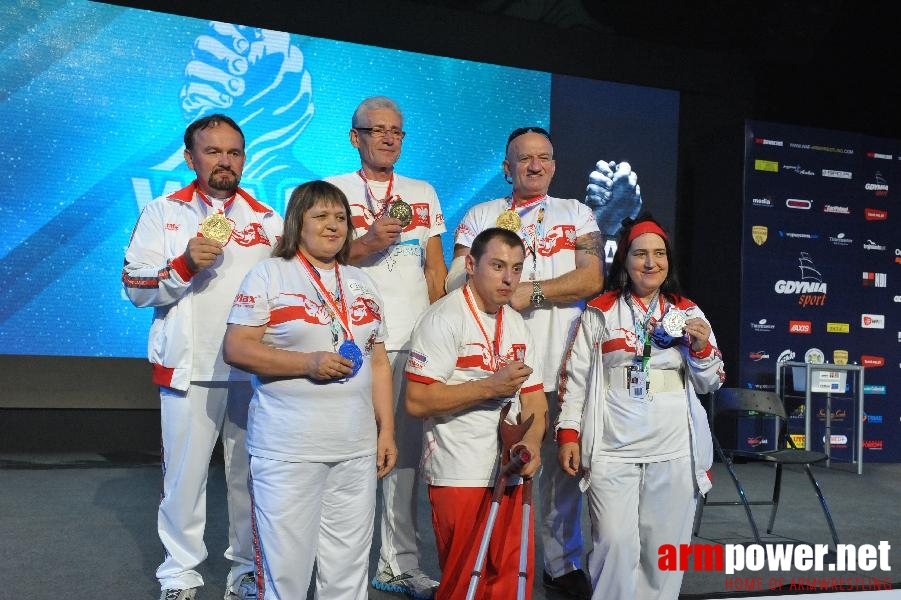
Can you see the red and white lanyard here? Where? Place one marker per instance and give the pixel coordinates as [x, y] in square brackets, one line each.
[495, 344]
[384, 203]
[327, 297]
[537, 240]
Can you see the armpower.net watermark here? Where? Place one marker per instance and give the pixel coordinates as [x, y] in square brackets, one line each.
[838, 571]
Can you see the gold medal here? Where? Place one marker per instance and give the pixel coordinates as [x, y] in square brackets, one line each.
[217, 228]
[509, 219]
[401, 211]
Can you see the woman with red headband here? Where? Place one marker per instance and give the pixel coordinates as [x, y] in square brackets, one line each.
[631, 423]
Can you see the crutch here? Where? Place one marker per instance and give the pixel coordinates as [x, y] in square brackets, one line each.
[519, 456]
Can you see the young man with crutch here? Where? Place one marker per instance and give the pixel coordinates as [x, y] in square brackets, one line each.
[471, 356]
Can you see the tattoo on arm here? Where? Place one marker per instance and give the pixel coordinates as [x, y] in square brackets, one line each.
[591, 243]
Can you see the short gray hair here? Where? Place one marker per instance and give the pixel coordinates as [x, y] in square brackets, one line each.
[374, 103]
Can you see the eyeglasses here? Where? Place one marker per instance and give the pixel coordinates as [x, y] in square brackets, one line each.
[380, 132]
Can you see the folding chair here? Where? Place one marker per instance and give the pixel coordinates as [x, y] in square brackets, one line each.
[766, 406]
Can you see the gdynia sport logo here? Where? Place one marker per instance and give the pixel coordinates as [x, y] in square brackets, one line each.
[744, 560]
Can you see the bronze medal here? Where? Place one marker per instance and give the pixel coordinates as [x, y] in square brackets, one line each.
[217, 228]
[510, 220]
[401, 211]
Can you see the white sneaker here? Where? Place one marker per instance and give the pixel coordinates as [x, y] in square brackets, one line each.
[243, 589]
[413, 583]
[170, 594]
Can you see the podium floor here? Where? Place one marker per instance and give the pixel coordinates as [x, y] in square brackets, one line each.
[85, 526]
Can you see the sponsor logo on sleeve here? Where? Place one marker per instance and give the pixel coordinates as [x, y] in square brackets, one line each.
[244, 300]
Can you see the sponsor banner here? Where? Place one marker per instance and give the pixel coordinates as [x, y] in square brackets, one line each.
[819, 272]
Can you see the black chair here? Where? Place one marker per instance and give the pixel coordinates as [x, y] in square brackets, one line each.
[767, 408]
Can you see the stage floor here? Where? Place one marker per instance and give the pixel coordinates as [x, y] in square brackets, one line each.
[84, 525]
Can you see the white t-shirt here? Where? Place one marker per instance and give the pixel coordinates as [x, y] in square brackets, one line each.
[554, 254]
[449, 347]
[247, 246]
[297, 419]
[398, 270]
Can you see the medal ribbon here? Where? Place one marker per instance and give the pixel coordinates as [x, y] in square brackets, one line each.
[538, 238]
[370, 197]
[209, 203]
[641, 328]
[327, 296]
[498, 327]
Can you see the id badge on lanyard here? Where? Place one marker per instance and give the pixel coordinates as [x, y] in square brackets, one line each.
[637, 381]
[638, 374]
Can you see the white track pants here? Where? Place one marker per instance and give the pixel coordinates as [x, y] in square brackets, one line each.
[399, 528]
[190, 423]
[636, 508]
[560, 507]
[306, 512]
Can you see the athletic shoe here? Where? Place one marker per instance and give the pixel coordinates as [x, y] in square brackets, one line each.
[413, 583]
[243, 589]
[574, 584]
[170, 594]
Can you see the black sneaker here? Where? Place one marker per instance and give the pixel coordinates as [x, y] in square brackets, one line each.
[573, 584]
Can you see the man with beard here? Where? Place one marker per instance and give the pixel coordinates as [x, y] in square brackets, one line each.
[188, 254]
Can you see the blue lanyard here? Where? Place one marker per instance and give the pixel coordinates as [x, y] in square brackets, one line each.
[641, 328]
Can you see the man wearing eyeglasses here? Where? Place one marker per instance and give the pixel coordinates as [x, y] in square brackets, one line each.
[398, 223]
[563, 268]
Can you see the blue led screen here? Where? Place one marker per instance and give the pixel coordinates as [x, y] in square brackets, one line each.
[94, 113]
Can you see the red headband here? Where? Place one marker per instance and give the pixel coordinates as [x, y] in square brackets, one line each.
[645, 227]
